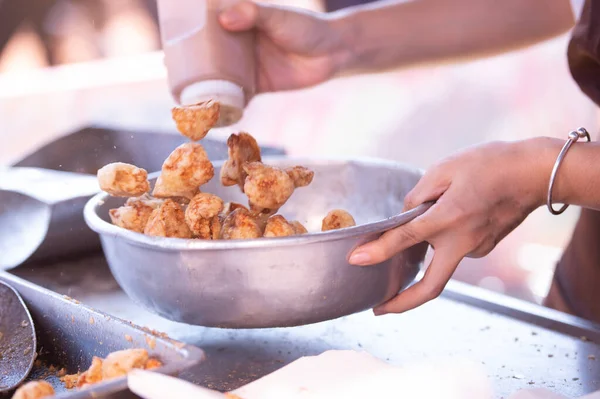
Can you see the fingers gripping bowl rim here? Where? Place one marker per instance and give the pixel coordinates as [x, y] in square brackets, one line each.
[273, 282]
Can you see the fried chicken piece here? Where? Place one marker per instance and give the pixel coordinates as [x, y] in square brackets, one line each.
[239, 225]
[70, 380]
[243, 149]
[93, 375]
[230, 207]
[202, 215]
[152, 364]
[194, 121]
[123, 180]
[118, 364]
[183, 172]
[298, 227]
[227, 209]
[34, 390]
[267, 187]
[300, 175]
[135, 213]
[337, 219]
[278, 226]
[168, 220]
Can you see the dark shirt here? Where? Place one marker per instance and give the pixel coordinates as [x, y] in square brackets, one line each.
[577, 276]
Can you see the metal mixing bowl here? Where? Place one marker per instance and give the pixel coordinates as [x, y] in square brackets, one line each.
[272, 282]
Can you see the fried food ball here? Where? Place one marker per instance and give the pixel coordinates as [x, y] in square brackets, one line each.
[337, 219]
[298, 227]
[93, 375]
[230, 207]
[168, 220]
[240, 224]
[267, 187]
[242, 149]
[202, 215]
[118, 364]
[123, 180]
[300, 175]
[194, 121]
[183, 172]
[34, 390]
[278, 226]
[135, 213]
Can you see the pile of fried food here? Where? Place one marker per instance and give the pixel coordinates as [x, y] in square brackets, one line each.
[177, 208]
[115, 365]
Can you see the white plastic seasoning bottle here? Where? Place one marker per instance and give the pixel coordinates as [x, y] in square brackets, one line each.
[203, 60]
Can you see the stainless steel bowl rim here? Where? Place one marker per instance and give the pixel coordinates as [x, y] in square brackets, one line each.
[97, 224]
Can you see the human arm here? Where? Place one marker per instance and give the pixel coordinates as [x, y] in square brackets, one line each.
[481, 195]
[390, 34]
[298, 48]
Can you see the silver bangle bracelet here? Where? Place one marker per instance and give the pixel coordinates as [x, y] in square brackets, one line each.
[573, 137]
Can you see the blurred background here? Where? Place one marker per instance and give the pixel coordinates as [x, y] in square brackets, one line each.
[65, 64]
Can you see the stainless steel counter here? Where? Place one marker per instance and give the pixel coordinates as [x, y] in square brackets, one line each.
[520, 344]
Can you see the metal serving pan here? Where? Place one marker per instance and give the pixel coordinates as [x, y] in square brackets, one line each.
[47, 189]
[70, 334]
[272, 282]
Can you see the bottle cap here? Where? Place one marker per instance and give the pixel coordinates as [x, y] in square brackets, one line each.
[230, 96]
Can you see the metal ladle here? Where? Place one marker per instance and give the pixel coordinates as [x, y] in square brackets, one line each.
[41, 214]
[17, 339]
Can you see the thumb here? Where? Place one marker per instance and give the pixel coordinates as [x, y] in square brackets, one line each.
[246, 15]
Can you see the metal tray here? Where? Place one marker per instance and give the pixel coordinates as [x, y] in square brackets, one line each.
[521, 345]
[59, 229]
[69, 334]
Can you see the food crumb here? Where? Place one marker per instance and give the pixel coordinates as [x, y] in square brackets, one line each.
[534, 333]
[550, 355]
[575, 379]
[91, 320]
[27, 350]
[591, 357]
[128, 338]
[151, 342]
[68, 298]
[584, 338]
[24, 323]
[531, 382]
[154, 332]
[72, 319]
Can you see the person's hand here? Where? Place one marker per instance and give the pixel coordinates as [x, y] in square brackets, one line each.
[295, 48]
[482, 195]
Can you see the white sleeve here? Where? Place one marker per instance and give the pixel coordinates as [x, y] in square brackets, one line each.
[577, 7]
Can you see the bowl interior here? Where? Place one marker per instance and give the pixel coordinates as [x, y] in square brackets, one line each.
[370, 190]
